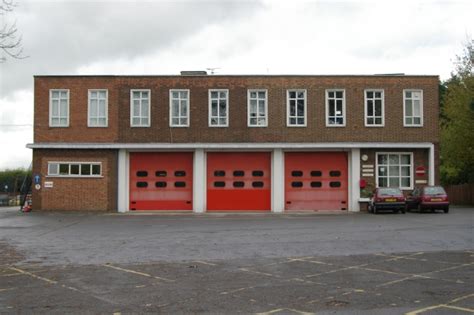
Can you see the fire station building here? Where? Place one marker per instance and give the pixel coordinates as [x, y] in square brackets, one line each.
[202, 143]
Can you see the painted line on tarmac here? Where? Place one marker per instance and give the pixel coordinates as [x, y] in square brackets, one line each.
[33, 275]
[446, 305]
[258, 272]
[7, 289]
[285, 309]
[137, 273]
[205, 263]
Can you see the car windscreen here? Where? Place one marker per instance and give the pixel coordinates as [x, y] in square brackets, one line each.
[390, 192]
[434, 191]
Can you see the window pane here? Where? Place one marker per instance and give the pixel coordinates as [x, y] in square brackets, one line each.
[174, 94]
[103, 94]
[394, 171]
[378, 94]
[55, 94]
[394, 182]
[136, 95]
[214, 94]
[222, 94]
[382, 159]
[405, 182]
[300, 121]
[339, 94]
[222, 121]
[405, 171]
[383, 182]
[222, 108]
[95, 169]
[64, 169]
[382, 171]
[214, 108]
[261, 94]
[74, 169]
[300, 94]
[393, 159]
[55, 108]
[85, 169]
[370, 94]
[253, 121]
[417, 121]
[253, 94]
[174, 108]
[405, 159]
[370, 108]
[409, 108]
[53, 169]
[292, 94]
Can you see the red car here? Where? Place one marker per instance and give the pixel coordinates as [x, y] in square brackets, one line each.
[387, 198]
[428, 198]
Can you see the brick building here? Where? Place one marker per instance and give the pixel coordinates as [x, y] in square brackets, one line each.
[230, 142]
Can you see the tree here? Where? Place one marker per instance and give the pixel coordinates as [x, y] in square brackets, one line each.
[12, 179]
[457, 128]
[10, 40]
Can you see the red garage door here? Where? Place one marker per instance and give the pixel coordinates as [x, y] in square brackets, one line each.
[161, 181]
[238, 181]
[316, 181]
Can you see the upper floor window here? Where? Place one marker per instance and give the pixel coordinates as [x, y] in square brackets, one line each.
[374, 108]
[58, 108]
[413, 108]
[140, 108]
[394, 170]
[218, 108]
[97, 108]
[179, 108]
[296, 108]
[335, 108]
[257, 108]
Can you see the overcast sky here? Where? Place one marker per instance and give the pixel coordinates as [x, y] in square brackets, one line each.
[238, 37]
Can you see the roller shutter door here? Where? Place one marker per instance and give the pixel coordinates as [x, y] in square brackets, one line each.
[161, 181]
[316, 181]
[239, 181]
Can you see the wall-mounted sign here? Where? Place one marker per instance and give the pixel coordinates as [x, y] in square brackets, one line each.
[37, 186]
[420, 171]
[37, 179]
[48, 184]
[364, 157]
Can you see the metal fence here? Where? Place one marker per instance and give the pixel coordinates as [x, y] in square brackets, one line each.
[461, 194]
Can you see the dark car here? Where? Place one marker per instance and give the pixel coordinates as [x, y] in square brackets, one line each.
[387, 199]
[428, 198]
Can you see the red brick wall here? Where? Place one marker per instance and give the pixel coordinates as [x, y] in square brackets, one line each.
[76, 193]
[119, 129]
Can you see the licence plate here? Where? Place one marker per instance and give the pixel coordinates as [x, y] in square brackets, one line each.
[436, 199]
[390, 199]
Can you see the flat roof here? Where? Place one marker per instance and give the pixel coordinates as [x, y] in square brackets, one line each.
[232, 75]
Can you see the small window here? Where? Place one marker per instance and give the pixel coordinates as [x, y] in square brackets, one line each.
[257, 108]
[335, 184]
[59, 108]
[160, 184]
[53, 169]
[219, 173]
[140, 108]
[334, 173]
[180, 173]
[142, 174]
[316, 184]
[85, 169]
[257, 173]
[296, 173]
[316, 173]
[335, 108]
[97, 109]
[219, 184]
[296, 184]
[160, 173]
[74, 169]
[95, 169]
[218, 108]
[257, 184]
[142, 184]
[180, 184]
[296, 108]
[239, 173]
[239, 184]
[63, 169]
[179, 108]
[413, 108]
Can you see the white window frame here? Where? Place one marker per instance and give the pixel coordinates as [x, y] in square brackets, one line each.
[404, 108]
[399, 176]
[210, 108]
[187, 116]
[50, 174]
[249, 124]
[131, 108]
[382, 109]
[89, 92]
[305, 98]
[344, 118]
[59, 104]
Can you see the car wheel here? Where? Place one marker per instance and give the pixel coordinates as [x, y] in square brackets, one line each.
[396, 211]
[433, 210]
[403, 211]
[419, 208]
[446, 210]
[375, 209]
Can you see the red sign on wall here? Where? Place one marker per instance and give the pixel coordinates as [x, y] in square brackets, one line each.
[420, 171]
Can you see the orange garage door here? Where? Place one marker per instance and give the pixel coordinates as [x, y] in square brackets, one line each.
[238, 181]
[316, 181]
[161, 181]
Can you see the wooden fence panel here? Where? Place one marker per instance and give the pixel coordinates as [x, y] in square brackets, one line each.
[461, 194]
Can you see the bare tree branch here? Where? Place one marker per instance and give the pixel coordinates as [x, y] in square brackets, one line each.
[10, 40]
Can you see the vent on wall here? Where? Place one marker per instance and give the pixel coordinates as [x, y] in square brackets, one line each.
[193, 73]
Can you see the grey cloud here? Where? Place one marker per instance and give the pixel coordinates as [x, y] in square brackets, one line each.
[61, 37]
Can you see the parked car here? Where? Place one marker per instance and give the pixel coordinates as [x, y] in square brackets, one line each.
[428, 198]
[387, 198]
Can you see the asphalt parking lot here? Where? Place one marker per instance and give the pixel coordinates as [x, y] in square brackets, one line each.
[288, 264]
